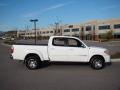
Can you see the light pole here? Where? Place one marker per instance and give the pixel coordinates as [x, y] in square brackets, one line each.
[34, 21]
[56, 28]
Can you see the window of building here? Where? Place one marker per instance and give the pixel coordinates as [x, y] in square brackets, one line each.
[70, 26]
[75, 30]
[47, 32]
[67, 30]
[117, 26]
[51, 31]
[58, 31]
[43, 32]
[117, 35]
[104, 27]
[55, 31]
[94, 27]
[88, 28]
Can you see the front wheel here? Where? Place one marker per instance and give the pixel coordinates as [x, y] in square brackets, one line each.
[32, 62]
[97, 62]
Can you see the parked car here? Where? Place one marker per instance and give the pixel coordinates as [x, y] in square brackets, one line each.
[61, 49]
[0, 38]
[3, 38]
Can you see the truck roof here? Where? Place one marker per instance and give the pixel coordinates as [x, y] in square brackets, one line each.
[64, 36]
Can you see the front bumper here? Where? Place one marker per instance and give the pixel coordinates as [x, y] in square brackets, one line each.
[107, 59]
[108, 63]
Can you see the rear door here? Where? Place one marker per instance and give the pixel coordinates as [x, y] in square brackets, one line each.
[57, 51]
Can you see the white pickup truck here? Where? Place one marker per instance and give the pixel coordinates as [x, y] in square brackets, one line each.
[62, 49]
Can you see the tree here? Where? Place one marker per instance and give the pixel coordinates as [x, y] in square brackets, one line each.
[39, 37]
[82, 33]
[109, 35]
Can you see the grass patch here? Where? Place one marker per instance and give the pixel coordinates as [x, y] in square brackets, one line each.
[9, 42]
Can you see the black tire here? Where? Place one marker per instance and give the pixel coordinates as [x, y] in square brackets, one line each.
[97, 62]
[32, 62]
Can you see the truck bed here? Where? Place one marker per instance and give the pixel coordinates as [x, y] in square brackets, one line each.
[31, 44]
[21, 50]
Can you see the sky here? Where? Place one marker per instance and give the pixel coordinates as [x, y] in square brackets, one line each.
[16, 14]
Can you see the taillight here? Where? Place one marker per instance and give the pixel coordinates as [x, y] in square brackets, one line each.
[11, 49]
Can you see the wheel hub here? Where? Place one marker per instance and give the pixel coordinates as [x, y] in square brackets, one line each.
[32, 63]
[98, 64]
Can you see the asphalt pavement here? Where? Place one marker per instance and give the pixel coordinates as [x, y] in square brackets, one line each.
[15, 76]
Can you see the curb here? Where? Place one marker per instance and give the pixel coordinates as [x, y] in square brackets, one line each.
[6, 45]
[115, 60]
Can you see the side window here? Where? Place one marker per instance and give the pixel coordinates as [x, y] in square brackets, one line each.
[69, 42]
[74, 43]
[59, 42]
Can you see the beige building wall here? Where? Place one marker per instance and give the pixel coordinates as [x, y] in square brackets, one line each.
[94, 29]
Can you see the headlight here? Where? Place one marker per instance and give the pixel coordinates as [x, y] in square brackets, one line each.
[107, 52]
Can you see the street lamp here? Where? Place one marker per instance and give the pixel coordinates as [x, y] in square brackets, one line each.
[56, 28]
[34, 21]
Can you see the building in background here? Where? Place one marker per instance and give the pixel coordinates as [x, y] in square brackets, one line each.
[92, 30]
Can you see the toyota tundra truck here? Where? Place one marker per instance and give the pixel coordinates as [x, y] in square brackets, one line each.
[61, 49]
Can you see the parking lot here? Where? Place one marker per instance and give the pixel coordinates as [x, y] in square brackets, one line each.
[15, 76]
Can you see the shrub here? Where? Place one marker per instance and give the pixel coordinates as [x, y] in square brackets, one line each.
[10, 42]
[116, 55]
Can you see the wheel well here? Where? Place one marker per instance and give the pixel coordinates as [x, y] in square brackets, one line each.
[97, 56]
[31, 54]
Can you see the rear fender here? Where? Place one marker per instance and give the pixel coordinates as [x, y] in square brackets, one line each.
[34, 52]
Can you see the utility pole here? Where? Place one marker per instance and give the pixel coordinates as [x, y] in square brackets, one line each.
[56, 28]
[34, 21]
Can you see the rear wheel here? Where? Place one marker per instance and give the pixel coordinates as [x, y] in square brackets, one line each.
[97, 62]
[32, 62]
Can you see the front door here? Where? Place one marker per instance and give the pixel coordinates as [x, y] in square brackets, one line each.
[77, 51]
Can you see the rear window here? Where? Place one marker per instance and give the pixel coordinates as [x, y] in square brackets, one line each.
[59, 42]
